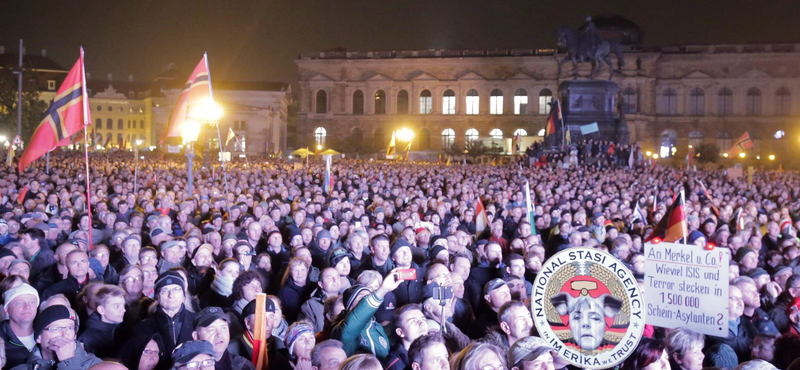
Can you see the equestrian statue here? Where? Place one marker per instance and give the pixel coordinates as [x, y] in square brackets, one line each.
[584, 45]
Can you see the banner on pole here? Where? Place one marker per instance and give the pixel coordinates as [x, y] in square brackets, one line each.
[173, 149]
[590, 128]
[687, 286]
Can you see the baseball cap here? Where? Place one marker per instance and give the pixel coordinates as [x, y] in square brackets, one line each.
[208, 315]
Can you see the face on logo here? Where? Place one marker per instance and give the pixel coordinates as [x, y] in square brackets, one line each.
[587, 316]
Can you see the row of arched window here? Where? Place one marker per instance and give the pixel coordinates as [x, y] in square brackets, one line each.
[448, 135]
[98, 124]
[724, 140]
[668, 102]
[448, 103]
[130, 109]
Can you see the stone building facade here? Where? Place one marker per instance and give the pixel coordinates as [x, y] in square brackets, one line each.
[671, 96]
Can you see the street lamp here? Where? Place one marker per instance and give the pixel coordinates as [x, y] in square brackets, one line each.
[197, 114]
[742, 155]
[772, 157]
[405, 134]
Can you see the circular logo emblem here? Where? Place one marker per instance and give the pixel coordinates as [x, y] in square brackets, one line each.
[588, 306]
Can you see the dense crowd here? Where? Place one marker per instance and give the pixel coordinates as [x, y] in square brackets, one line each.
[158, 278]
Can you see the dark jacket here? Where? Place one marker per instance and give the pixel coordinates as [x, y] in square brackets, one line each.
[44, 259]
[740, 343]
[173, 330]
[398, 358]
[110, 275]
[368, 264]
[69, 287]
[292, 297]
[410, 291]
[16, 352]
[778, 313]
[99, 337]
[231, 361]
[359, 332]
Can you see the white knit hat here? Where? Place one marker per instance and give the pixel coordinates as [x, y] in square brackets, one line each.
[18, 290]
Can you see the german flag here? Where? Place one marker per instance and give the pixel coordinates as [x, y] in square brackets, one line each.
[65, 117]
[551, 124]
[672, 226]
[197, 91]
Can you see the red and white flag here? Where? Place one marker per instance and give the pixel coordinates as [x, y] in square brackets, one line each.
[481, 220]
[196, 92]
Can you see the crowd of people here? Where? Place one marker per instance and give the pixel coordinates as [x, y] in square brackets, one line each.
[386, 270]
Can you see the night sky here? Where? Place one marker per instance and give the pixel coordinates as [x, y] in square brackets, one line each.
[258, 40]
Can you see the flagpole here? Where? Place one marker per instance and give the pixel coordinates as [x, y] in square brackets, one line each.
[219, 136]
[86, 147]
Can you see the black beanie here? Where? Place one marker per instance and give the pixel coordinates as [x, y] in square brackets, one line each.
[50, 315]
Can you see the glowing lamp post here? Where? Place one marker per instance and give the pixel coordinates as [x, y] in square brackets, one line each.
[197, 114]
[406, 135]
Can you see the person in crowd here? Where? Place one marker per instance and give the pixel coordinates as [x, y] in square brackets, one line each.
[327, 355]
[171, 319]
[143, 352]
[211, 325]
[100, 337]
[428, 352]
[295, 287]
[312, 309]
[361, 361]
[194, 354]
[410, 323]
[479, 355]
[21, 304]
[534, 353]
[55, 330]
[685, 349]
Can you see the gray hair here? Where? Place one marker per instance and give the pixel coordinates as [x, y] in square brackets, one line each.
[743, 280]
[361, 362]
[682, 340]
[470, 357]
[316, 353]
[756, 365]
[369, 276]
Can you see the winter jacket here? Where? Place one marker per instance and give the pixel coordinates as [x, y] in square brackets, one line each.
[131, 352]
[410, 291]
[398, 358]
[16, 352]
[82, 360]
[99, 337]
[778, 313]
[292, 297]
[313, 310]
[231, 361]
[359, 332]
[69, 287]
[173, 330]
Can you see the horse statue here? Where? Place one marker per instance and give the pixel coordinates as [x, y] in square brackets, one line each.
[586, 46]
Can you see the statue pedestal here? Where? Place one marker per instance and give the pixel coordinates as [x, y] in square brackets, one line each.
[587, 102]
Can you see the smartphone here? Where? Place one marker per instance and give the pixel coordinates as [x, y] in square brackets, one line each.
[407, 274]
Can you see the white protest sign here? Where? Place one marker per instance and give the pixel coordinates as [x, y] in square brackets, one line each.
[173, 149]
[687, 286]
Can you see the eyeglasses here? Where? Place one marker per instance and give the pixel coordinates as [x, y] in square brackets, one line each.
[199, 364]
[132, 279]
[152, 352]
[55, 329]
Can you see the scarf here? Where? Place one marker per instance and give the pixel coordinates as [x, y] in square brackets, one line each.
[239, 305]
[223, 285]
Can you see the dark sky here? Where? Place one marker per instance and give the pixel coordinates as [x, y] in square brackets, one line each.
[257, 40]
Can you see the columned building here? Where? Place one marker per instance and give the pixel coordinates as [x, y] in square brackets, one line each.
[671, 96]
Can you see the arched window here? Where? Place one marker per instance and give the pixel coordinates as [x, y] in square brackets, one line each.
[402, 102]
[520, 132]
[380, 102]
[425, 102]
[783, 103]
[141, 124]
[358, 102]
[448, 138]
[120, 124]
[545, 97]
[109, 123]
[496, 102]
[357, 135]
[99, 108]
[725, 102]
[695, 138]
[629, 100]
[668, 102]
[98, 123]
[753, 102]
[723, 141]
[697, 102]
[472, 135]
[473, 102]
[424, 141]
[322, 102]
[496, 134]
[319, 135]
[540, 133]
[449, 102]
[669, 139]
[520, 101]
